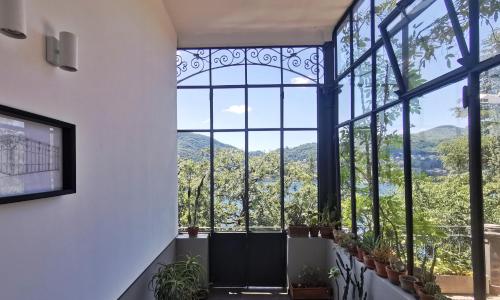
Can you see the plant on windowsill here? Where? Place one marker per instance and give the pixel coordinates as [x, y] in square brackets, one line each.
[327, 220]
[179, 280]
[313, 224]
[382, 253]
[297, 218]
[310, 285]
[193, 209]
[423, 274]
[395, 269]
[365, 246]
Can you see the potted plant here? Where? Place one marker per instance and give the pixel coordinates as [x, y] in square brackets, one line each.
[310, 285]
[423, 275]
[407, 283]
[179, 280]
[381, 255]
[193, 209]
[297, 218]
[429, 291]
[327, 220]
[313, 224]
[395, 269]
[365, 245]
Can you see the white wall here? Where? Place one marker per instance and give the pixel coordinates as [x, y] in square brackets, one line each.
[93, 244]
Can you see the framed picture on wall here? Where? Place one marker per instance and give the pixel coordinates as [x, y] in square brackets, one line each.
[37, 156]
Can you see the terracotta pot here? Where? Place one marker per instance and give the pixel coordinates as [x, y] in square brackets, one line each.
[193, 231]
[353, 251]
[417, 286]
[407, 282]
[310, 293]
[298, 231]
[424, 296]
[369, 262]
[393, 275]
[326, 232]
[314, 231]
[360, 254]
[380, 268]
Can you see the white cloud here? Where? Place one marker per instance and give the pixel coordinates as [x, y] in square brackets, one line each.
[237, 109]
[300, 80]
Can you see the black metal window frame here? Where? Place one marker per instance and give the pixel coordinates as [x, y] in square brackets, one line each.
[470, 69]
[203, 61]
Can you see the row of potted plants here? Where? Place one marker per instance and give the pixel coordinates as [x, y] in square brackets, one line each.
[378, 255]
[310, 223]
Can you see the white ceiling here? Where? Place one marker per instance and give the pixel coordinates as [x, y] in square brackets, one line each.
[217, 23]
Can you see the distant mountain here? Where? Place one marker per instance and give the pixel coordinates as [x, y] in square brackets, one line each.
[301, 153]
[428, 140]
[192, 145]
[424, 148]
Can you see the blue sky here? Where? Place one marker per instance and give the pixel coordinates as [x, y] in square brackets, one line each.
[300, 103]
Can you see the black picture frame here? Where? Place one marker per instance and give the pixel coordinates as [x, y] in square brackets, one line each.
[68, 155]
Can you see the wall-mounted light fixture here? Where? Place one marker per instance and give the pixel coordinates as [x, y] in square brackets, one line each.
[13, 18]
[63, 52]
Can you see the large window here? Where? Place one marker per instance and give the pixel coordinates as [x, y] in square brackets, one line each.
[247, 141]
[414, 81]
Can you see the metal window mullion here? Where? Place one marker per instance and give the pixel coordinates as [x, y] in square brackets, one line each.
[475, 164]
[407, 158]
[246, 197]
[212, 183]
[373, 127]
[282, 151]
[457, 29]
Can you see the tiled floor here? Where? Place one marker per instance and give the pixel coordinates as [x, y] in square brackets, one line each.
[248, 294]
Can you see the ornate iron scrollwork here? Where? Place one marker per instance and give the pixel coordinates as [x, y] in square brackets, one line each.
[305, 62]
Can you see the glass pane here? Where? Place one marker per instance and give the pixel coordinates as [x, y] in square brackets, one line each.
[382, 10]
[193, 109]
[264, 108]
[364, 182]
[432, 46]
[301, 65]
[264, 180]
[229, 178]
[229, 108]
[363, 88]
[345, 177]
[300, 107]
[489, 30]
[301, 171]
[433, 49]
[264, 65]
[193, 156]
[193, 67]
[345, 99]
[361, 27]
[228, 66]
[441, 213]
[386, 81]
[343, 47]
[490, 146]
[391, 179]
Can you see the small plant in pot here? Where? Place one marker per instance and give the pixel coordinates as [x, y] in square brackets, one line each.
[381, 255]
[395, 269]
[407, 283]
[311, 284]
[297, 220]
[429, 291]
[327, 221]
[194, 207]
[313, 224]
[365, 245]
[179, 280]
